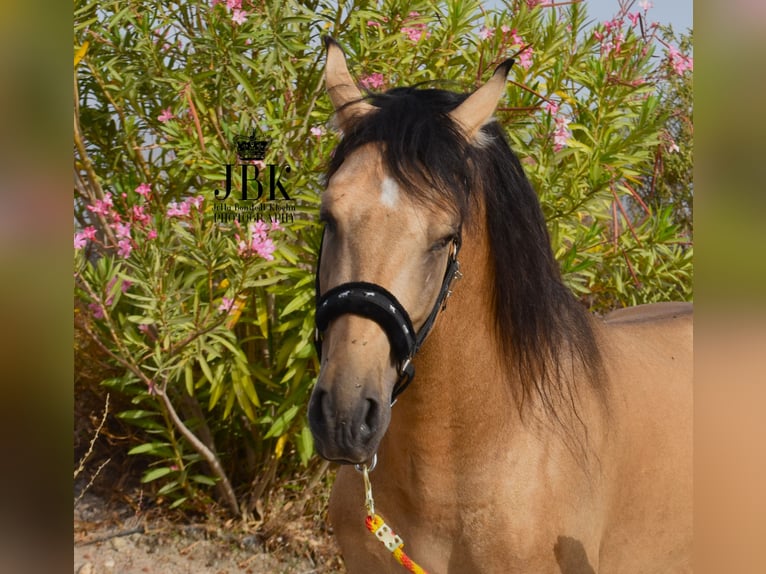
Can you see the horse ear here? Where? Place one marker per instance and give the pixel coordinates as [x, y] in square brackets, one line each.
[478, 108]
[344, 95]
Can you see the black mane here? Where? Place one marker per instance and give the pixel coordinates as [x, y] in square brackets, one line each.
[545, 333]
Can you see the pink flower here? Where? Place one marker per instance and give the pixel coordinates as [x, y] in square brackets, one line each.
[79, 241]
[551, 107]
[486, 33]
[259, 228]
[89, 233]
[645, 5]
[373, 81]
[103, 206]
[634, 16]
[679, 62]
[561, 134]
[178, 209]
[505, 29]
[259, 242]
[415, 31]
[139, 215]
[373, 24]
[96, 310]
[144, 189]
[124, 247]
[239, 16]
[165, 116]
[234, 4]
[226, 305]
[673, 148]
[525, 58]
[317, 131]
[615, 23]
[265, 248]
[196, 201]
[122, 230]
[275, 226]
[152, 234]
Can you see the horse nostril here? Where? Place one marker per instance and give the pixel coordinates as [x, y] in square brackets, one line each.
[316, 409]
[371, 419]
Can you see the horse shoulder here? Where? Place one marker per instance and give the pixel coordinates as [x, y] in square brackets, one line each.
[647, 353]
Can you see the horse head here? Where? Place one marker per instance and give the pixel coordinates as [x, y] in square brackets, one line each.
[388, 256]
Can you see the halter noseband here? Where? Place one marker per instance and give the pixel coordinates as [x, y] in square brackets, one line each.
[373, 302]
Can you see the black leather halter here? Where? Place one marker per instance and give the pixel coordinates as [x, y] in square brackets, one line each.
[376, 303]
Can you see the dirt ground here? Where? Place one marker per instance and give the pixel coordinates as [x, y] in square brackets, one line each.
[109, 539]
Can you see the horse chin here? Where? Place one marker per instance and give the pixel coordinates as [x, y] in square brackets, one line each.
[346, 455]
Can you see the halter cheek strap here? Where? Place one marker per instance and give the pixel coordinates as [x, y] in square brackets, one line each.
[373, 302]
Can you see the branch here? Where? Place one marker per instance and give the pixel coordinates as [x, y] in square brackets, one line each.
[210, 457]
[81, 466]
[197, 125]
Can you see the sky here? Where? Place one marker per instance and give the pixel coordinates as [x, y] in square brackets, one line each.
[675, 12]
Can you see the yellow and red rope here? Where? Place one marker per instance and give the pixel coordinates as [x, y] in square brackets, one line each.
[383, 531]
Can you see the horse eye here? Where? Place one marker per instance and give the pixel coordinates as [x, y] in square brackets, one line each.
[442, 243]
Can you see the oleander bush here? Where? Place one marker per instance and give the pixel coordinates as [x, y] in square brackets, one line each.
[207, 320]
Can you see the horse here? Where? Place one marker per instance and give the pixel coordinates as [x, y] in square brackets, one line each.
[533, 436]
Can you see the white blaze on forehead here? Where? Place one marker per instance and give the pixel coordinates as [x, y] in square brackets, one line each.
[389, 192]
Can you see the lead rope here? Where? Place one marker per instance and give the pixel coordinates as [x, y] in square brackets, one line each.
[382, 531]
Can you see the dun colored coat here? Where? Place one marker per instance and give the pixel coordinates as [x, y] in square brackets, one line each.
[534, 438]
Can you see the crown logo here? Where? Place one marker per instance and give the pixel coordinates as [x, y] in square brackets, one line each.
[248, 147]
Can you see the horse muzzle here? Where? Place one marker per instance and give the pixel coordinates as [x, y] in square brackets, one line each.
[347, 429]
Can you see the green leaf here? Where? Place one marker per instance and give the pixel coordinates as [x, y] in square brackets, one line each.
[244, 83]
[202, 479]
[155, 473]
[151, 448]
[206, 370]
[178, 502]
[189, 379]
[171, 486]
[136, 414]
[305, 445]
[282, 422]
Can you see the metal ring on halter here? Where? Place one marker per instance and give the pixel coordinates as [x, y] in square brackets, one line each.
[373, 464]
